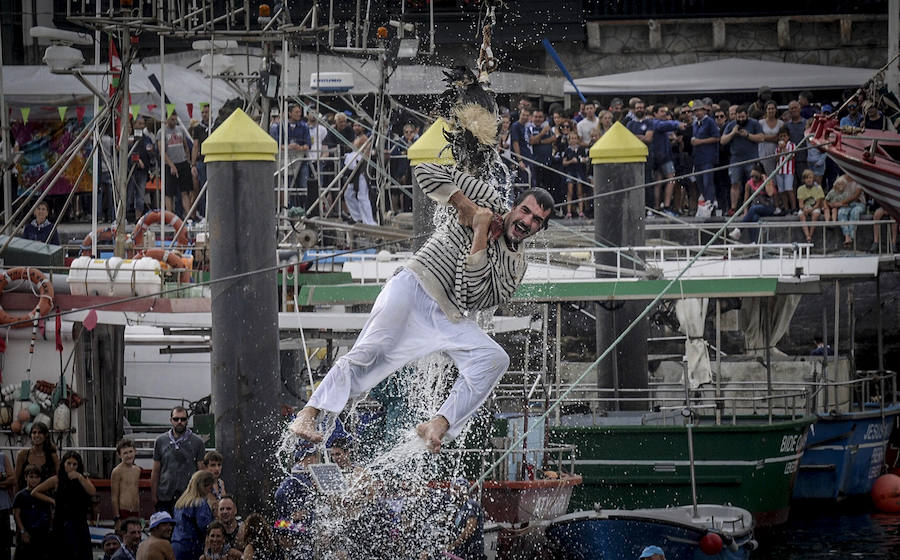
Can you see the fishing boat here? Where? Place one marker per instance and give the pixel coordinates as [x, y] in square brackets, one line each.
[845, 448]
[870, 157]
[684, 533]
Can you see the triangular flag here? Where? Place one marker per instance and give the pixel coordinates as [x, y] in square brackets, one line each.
[25, 112]
[90, 320]
[170, 108]
[79, 112]
[115, 63]
[134, 111]
[190, 107]
[152, 106]
[62, 112]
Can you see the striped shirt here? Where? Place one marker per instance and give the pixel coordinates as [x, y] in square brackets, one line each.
[788, 168]
[457, 281]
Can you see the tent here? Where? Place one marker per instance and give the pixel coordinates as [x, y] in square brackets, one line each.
[724, 75]
[36, 87]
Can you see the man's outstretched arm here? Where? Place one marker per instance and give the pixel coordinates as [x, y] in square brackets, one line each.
[440, 183]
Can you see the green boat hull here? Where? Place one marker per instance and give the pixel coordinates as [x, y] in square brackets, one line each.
[749, 465]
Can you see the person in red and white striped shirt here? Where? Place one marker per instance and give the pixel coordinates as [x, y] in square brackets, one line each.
[784, 179]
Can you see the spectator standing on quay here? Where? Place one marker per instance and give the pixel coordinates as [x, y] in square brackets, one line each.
[32, 517]
[706, 154]
[742, 134]
[663, 158]
[143, 158]
[199, 133]
[356, 195]
[784, 179]
[39, 228]
[227, 516]
[589, 122]
[757, 109]
[853, 117]
[541, 139]
[42, 454]
[519, 145]
[157, 546]
[574, 159]
[770, 124]
[796, 127]
[72, 493]
[110, 545]
[212, 462]
[720, 177]
[399, 165]
[807, 109]
[192, 516]
[177, 454]
[616, 107]
[124, 483]
[179, 180]
[131, 540]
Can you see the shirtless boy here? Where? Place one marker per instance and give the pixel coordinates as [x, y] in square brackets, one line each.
[124, 483]
[158, 545]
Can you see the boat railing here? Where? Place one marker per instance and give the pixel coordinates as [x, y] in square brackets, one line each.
[520, 463]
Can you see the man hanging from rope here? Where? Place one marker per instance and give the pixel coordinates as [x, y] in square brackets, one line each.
[475, 262]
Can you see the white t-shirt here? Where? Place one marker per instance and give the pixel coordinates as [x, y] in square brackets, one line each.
[316, 135]
[585, 127]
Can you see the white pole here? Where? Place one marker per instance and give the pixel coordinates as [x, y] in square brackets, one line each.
[892, 76]
[284, 119]
[162, 142]
[95, 165]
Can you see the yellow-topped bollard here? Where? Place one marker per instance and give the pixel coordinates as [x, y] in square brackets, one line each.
[618, 159]
[244, 359]
[239, 138]
[618, 145]
[432, 146]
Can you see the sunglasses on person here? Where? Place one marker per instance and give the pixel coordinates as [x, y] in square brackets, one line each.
[720, 116]
[179, 419]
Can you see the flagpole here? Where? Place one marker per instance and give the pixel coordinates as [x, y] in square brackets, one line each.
[95, 164]
[124, 153]
[7, 149]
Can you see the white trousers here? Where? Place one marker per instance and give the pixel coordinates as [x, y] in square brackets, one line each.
[407, 324]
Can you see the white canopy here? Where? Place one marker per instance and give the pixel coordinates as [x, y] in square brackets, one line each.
[37, 87]
[725, 75]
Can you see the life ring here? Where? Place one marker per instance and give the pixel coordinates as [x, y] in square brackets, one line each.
[173, 259]
[106, 235]
[44, 290]
[151, 218]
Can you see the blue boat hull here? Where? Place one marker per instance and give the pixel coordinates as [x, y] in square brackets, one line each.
[844, 454]
[608, 539]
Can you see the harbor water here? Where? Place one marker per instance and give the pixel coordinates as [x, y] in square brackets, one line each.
[847, 530]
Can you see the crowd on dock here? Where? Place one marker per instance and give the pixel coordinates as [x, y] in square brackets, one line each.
[51, 500]
[705, 158]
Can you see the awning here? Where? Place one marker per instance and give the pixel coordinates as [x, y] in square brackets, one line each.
[725, 75]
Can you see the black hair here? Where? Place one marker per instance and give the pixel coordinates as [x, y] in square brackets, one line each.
[542, 197]
[70, 454]
[342, 443]
[47, 446]
[742, 109]
[759, 168]
[132, 521]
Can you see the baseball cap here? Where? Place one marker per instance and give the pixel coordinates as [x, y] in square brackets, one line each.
[111, 537]
[698, 104]
[651, 550]
[159, 518]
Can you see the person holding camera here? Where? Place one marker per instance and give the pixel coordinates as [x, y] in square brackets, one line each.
[743, 135]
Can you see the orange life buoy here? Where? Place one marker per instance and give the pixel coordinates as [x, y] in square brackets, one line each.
[106, 235]
[151, 218]
[44, 291]
[173, 259]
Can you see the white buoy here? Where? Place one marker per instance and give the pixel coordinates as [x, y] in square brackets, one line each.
[61, 417]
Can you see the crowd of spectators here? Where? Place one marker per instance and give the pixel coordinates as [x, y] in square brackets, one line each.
[51, 500]
[685, 141]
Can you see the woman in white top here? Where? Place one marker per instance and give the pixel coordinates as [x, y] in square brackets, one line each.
[771, 124]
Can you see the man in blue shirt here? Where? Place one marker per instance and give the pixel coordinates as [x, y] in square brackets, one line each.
[854, 117]
[706, 154]
[297, 140]
[519, 146]
[743, 134]
[663, 160]
[539, 136]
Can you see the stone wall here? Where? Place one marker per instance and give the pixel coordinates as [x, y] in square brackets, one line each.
[625, 46]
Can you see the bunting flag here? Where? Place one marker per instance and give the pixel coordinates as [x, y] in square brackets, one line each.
[190, 108]
[79, 112]
[170, 108]
[62, 112]
[25, 112]
[135, 109]
[152, 106]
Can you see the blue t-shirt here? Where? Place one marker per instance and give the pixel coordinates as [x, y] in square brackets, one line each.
[517, 134]
[850, 121]
[660, 146]
[743, 149]
[35, 514]
[706, 154]
[190, 530]
[796, 131]
[639, 128]
[297, 133]
[541, 153]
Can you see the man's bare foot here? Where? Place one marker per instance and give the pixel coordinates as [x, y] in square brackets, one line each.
[304, 425]
[432, 432]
